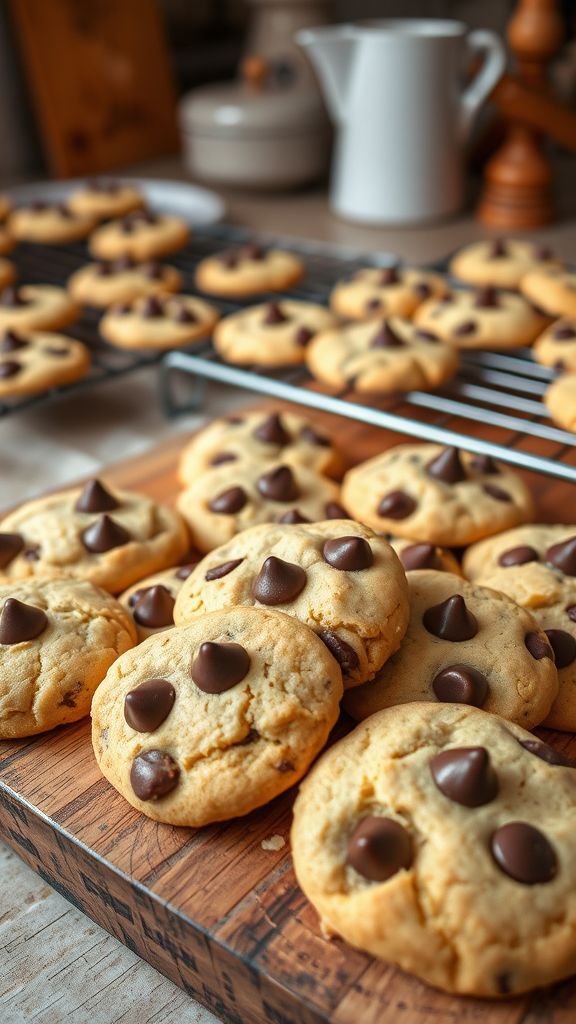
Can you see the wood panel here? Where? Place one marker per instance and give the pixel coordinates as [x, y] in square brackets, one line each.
[210, 908]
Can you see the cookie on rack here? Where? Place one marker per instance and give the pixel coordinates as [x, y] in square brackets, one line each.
[7, 274]
[381, 356]
[259, 435]
[102, 199]
[376, 292]
[39, 361]
[484, 318]
[151, 600]
[560, 400]
[501, 262]
[536, 566]
[438, 495]
[248, 270]
[272, 334]
[142, 234]
[419, 555]
[340, 578]
[234, 496]
[209, 721]
[158, 322]
[111, 538]
[448, 654]
[440, 838]
[556, 346]
[49, 224]
[105, 283]
[36, 307]
[58, 639]
[7, 243]
[553, 291]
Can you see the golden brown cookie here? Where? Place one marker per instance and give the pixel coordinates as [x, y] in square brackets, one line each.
[248, 270]
[501, 262]
[482, 318]
[376, 292]
[271, 334]
[142, 234]
[158, 322]
[102, 199]
[103, 284]
[36, 307]
[39, 361]
[48, 224]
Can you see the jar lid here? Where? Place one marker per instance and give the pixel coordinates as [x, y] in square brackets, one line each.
[234, 110]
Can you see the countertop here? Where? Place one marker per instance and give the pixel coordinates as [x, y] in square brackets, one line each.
[55, 963]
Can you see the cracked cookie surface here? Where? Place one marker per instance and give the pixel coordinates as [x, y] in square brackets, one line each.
[246, 700]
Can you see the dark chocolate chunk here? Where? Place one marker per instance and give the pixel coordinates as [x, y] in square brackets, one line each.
[183, 315]
[279, 484]
[396, 505]
[564, 333]
[563, 556]
[274, 314]
[11, 298]
[56, 350]
[461, 684]
[563, 645]
[278, 582]
[547, 753]
[524, 853]
[386, 338]
[518, 556]
[426, 336]
[218, 667]
[465, 775]
[422, 289]
[484, 464]
[148, 705]
[11, 544]
[497, 249]
[284, 766]
[12, 342]
[303, 336]
[389, 275]
[379, 847]
[451, 620]
[273, 431]
[332, 510]
[350, 554]
[313, 437]
[95, 498]
[447, 467]
[292, 517]
[151, 307]
[372, 305]
[104, 269]
[465, 328]
[486, 298]
[104, 534]
[420, 556]
[496, 492]
[230, 501]
[344, 654]
[571, 612]
[217, 572]
[537, 646]
[155, 608]
[10, 368]
[153, 774]
[20, 622]
[222, 457]
[253, 252]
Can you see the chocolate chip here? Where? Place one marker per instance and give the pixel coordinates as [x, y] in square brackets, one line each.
[251, 736]
[466, 327]
[151, 307]
[496, 492]
[396, 505]
[350, 554]
[253, 252]
[389, 275]
[564, 646]
[222, 457]
[426, 336]
[504, 985]
[64, 211]
[547, 753]
[218, 667]
[278, 582]
[148, 705]
[422, 289]
[230, 501]
[183, 315]
[379, 848]
[523, 852]
[484, 464]
[303, 336]
[451, 620]
[122, 309]
[344, 654]
[372, 305]
[10, 368]
[95, 498]
[185, 570]
[12, 342]
[564, 333]
[559, 364]
[229, 259]
[563, 556]
[273, 314]
[292, 517]
[313, 437]
[127, 226]
[103, 269]
[155, 608]
[32, 553]
[386, 338]
[104, 535]
[518, 556]
[125, 262]
[420, 556]
[447, 467]
[461, 684]
[20, 622]
[486, 298]
[11, 298]
[542, 252]
[273, 431]
[332, 510]
[153, 775]
[537, 646]
[278, 484]
[135, 597]
[154, 271]
[571, 612]
[465, 775]
[217, 572]
[11, 544]
[497, 249]
[57, 350]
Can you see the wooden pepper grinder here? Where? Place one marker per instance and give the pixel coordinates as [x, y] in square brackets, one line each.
[518, 178]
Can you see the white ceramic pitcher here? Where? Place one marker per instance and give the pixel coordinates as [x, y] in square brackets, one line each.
[395, 91]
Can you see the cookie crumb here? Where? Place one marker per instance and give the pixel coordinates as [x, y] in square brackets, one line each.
[273, 843]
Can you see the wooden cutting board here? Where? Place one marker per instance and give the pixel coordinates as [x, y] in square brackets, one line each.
[210, 908]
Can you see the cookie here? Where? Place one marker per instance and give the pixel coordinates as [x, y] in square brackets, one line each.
[465, 644]
[440, 838]
[48, 224]
[209, 721]
[151, 600]
[143, 235]
[234, 496]
[482, 318]
[105, 283]
[158, 322]
[111, 538]
[272, 334]
[536, 566]
[101, 199]
[32, 363]
[556, 346]
[501, 262]
[560, 400]
[36, 307]
[7, 243]
[7, 273]
[553, 291]
[58, 639]
[261, 436]
[248, 270]
[436, 495]
[338, 577]
[381, 356]
[376, 292]
[418, 555]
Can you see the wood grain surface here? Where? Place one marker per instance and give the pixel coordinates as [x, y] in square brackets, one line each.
[211, 908]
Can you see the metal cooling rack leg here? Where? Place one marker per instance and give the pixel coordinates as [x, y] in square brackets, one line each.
[179, 392]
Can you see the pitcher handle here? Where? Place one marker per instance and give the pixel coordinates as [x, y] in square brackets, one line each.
[489, 43]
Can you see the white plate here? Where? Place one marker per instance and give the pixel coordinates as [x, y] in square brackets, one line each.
[194, 204]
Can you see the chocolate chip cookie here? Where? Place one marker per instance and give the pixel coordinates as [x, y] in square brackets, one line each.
[158, 322]
[440, 838]
[248, 270]
[272, 334]
[556, 346]
[142, 234]
[36, 362]
[482, 318]
[209, 721]
[103, 198]
[338, 577]
[436, 495]
[49, 224]
[58, 639]
[151, 600]
[105, 283]
[501, 262]
[554, 291]
[376, 292]
[36, 307]
[465, 644]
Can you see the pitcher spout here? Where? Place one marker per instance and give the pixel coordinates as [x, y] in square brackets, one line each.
[331, 51]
